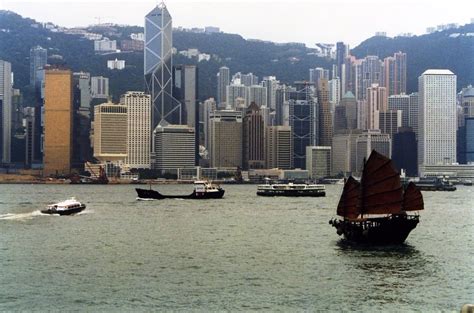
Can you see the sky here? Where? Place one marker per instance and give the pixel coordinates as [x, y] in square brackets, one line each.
[326, 21]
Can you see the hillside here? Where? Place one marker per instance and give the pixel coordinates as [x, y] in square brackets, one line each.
[452, 49]
[287, 62]
[261, 58]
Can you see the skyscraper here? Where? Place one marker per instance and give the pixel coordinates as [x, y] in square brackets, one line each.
[110, 132]
[396, 73]
[5, 111]
[271, 84]
[253, 134]
[38, 59]
[99, 87]
[82, 119]
[138, 128]
[223, 80]
[58, 135]
[185, 90]
[278, 147]
[325, 115]
[318, 161]
[158, 66]
[174, 147]
[437, 117]
[226, 139]
[376, 102]
[257, 94]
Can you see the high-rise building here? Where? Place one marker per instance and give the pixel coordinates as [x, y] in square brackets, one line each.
[325, 115]
[437, 117]
[110, 132]
[223, 80]
[315, 74]
[38, 59]
[390, 121]
[185, 90]
[342, 51]
[99, 87]
[174, 147]
[404, 151]
[246, 79]
[138, 128]
[343, 150]
[376, 102]
[237, 95]
[271, 83]
[209, 106]
[303, 119]
[469, 140]
[29, 120]
[408, 104]
[82, 151]
[334, 91]
[226, 139]
[368, 141]
[257, 94]
[278, 147]
[349, 102]
[396, 73]
[253, 134]
[158, 66]
[5, 111]
[58, 106]
[372, 73]
[318, 161]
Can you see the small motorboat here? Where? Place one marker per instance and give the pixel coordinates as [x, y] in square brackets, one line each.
[67, 207]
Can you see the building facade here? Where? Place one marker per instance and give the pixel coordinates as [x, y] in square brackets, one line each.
[437, 117]
[253, 136]
[138, 128]
[5, 111]
[318, 161]
[110, 132]
[279, 147]
[58, 136]
[226, 139]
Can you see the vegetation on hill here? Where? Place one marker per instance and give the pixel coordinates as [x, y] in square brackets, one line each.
[287, 62]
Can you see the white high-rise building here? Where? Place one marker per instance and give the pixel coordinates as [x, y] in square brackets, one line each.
[258, 94]
[110, 132]
[437, 123]
[318, 161]
[100, 87]
[223, 80]
[208, 106]
[5, 110]
[138, 128]
[271, 84]
[235, 92]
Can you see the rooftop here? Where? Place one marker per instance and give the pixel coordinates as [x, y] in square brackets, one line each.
[438, 72]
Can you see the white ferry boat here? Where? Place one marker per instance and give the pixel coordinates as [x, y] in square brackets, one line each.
[67, 207]
[291, 190]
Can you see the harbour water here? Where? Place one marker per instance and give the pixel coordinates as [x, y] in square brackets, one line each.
[240, 253]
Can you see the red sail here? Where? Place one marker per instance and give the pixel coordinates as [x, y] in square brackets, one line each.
[347, 206]
[412, 198]
[381, 190]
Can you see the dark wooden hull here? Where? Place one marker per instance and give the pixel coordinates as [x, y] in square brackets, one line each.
[389, 230]
[64, 212]
[291, 193]
[153, 194]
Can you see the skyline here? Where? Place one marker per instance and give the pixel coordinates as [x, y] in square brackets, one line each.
[358, 18]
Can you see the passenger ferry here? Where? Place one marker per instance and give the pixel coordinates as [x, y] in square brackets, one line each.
[67, 207]
[291, 190]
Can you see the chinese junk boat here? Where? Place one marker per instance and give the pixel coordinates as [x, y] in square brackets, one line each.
[202, 190]
[374, 210]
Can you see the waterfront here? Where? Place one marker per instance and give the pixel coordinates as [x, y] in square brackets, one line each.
[240, 253]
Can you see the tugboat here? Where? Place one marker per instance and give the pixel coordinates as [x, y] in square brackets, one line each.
[202, 190]
[67, 207]
[379, 192]
[291, 190]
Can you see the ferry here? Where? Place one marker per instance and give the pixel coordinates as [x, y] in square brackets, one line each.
[434, 184]
[291, 190]
[202, 190]
[67, 207]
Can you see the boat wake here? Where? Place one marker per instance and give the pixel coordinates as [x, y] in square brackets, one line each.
[145, 199]
[21, 216]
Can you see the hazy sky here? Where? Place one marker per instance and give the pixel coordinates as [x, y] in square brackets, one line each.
[276, 20]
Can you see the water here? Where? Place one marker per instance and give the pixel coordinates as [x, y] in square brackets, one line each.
[241, 253]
